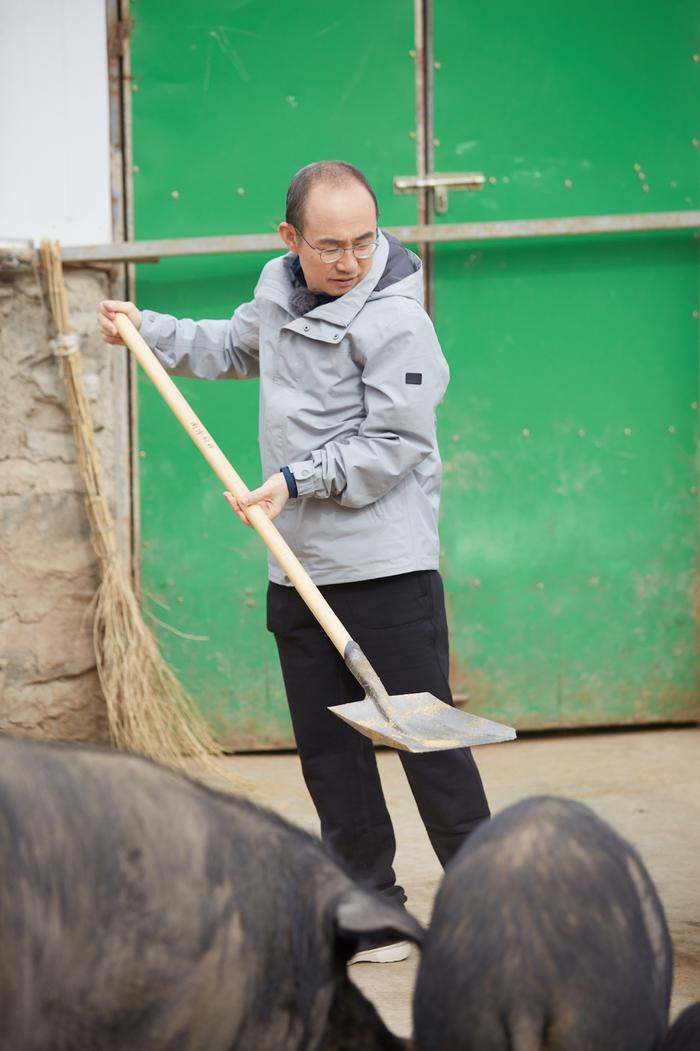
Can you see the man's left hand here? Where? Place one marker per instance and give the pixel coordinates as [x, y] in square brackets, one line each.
[271, 497]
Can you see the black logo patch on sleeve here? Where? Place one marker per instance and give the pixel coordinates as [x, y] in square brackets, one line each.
[414, 377]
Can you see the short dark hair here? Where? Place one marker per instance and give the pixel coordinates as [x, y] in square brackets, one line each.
[334, 172]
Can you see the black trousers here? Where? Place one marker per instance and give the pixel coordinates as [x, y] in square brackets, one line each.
[401, 625]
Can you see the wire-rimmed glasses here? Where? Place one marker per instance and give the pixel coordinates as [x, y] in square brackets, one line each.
[332, 255]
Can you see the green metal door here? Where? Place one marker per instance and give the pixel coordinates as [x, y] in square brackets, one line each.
[229, 100]
[570, 429]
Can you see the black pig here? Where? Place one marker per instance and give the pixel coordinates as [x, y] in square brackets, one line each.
[547, 935]
[684, 1034]
[142, 911]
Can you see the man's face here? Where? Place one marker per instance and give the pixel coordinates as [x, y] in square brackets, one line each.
[334, 217]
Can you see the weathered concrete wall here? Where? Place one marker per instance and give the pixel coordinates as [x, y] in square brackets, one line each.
[48, 570]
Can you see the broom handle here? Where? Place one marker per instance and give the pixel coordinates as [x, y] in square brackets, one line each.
[301, 580]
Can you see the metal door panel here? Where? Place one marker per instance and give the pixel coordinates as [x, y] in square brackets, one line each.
[570, 427]
[575, 109]
[230, 99]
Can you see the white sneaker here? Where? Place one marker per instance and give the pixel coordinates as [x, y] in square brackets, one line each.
[391, 953]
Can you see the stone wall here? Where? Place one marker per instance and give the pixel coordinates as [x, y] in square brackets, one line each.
[48, 570]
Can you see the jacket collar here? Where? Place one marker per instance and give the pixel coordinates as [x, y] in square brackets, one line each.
[326, 321]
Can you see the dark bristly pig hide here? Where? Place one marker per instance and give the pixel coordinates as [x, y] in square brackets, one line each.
[142, 911]
[547, 935]
[684, 1034]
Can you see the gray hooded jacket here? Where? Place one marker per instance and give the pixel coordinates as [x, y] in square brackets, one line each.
[348, 393]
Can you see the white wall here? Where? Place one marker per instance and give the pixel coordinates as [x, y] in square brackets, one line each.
[54, 121]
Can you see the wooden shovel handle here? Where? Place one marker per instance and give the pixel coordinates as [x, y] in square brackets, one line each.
[233, 482]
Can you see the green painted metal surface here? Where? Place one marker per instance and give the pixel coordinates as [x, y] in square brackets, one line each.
[230, 99]
[570, 428]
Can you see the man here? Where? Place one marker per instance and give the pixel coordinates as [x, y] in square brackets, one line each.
[351, 373]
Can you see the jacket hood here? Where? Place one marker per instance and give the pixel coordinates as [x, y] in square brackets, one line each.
[400, 264]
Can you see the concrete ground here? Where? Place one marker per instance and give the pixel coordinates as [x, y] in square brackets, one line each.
[646, 783]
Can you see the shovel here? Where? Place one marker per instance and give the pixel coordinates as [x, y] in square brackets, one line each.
[414, 722]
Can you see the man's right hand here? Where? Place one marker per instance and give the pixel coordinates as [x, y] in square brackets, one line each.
[105, 318]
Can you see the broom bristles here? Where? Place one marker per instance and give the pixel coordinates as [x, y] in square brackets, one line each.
[148, 709]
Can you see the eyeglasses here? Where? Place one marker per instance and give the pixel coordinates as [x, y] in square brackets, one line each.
[332, 255]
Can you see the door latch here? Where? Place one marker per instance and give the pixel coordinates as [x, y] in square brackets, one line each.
[440, 183]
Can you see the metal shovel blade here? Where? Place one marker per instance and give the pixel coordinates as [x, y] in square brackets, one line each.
[413, 722]
[421, 723]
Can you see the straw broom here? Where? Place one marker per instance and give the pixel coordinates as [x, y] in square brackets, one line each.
[148, 709]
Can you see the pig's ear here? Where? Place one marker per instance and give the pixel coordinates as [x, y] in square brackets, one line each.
[366, 919]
